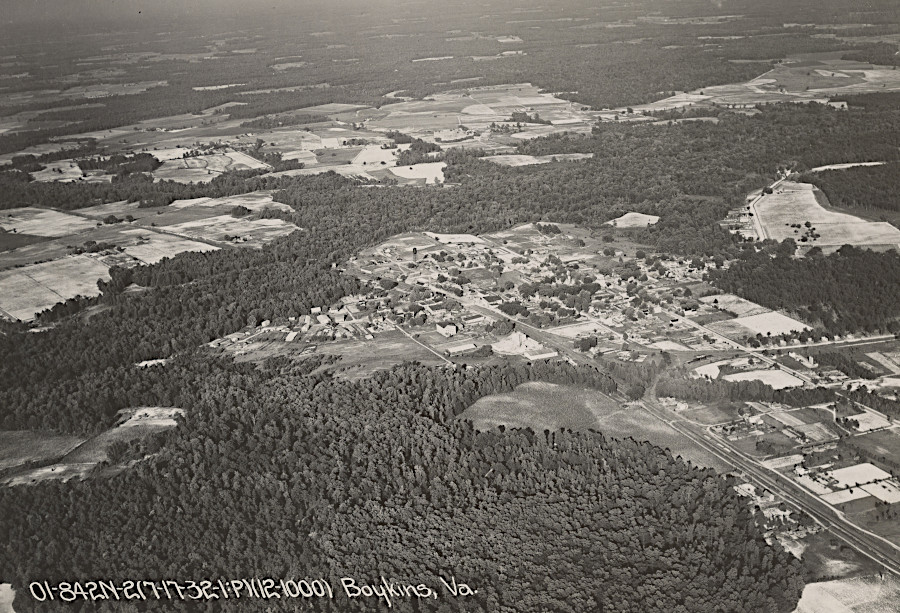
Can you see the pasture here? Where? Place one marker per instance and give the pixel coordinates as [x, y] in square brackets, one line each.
[82, 458]
[251, 232]
[530, 160]
[61, 171]
[797, 203]
[151, 247]
[31, 289]
[633, 220]
[18, 447]
[430, 172]
[43, 222]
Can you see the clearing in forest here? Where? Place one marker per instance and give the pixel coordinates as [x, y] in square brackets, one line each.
[795, 204]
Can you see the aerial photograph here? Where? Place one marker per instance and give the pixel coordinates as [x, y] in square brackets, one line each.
[457, 306]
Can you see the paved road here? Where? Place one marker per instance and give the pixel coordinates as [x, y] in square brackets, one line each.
[871, 545]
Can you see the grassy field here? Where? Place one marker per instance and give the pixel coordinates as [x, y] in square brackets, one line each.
[797, 203]
[158, 246]
[18, 447]
[868, 594]
[29, 290]
[10, 241]
[255, 232]
[77, 460]
[42, 222]
[541, 406]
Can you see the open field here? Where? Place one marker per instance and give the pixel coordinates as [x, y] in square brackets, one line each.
[797, 203]
[770, 323]
[430, 171]
[870, 594]
[530, 160]
[29, 290]
[20, 447]
[134, 423]
[633, 220]
[734, 304]
[255, 232]
[42, 222]
[81, 459]
[885, 443]
[540, 406]
[10, 241]
[361, 358]
[61, 171]
[778, 379]
[204, 168]
[155, 246]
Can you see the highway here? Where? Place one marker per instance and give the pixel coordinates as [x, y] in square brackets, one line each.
[867, 543]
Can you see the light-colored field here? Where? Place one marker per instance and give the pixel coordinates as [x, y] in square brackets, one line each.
[31, 289]
[886, 491]
[633, 220]
[669, 346]
[541, 406]
[778, 379]
[858, 474]
[254, 232]
[61, 171]
[771, 322]
[204, 168]
[430, 171]
[454, 239]
[7, 595]
[844, 496]
[43, 222]
[20, 446]
[844, 166]
[870, 421]
[572, 331]
[158, 246]
[818, 432]
[516, 343]
[529, 160]
[374, 155]
[734, 304]
[255, 201]
[794, 203]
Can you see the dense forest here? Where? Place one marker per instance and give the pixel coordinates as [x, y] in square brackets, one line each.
[297, 476]
[850, 290]
[862, 187]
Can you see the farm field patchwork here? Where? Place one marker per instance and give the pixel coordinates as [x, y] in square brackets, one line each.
[154, 246]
